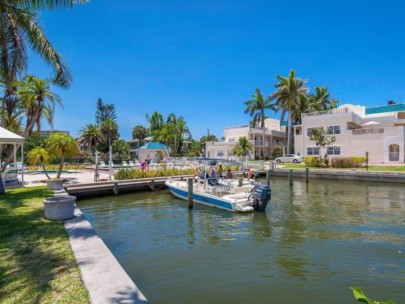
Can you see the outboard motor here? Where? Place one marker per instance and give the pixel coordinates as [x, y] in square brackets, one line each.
[261, 196]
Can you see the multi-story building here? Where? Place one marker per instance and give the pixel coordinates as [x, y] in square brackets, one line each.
[378, 131]
[274, 135]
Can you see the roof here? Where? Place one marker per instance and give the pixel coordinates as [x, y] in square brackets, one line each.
[8, 137]
[154, 146]
[385, 109]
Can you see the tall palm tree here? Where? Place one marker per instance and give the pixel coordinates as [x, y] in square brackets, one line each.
[321, 99]
[155, 121]
[19, 29]
[290, 92]
[37, 101]
[255, 107]
[109, 130]
[173, 132]
[91, 136]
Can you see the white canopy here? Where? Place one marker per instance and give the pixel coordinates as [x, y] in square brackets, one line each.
[8, 137]
[371, 123]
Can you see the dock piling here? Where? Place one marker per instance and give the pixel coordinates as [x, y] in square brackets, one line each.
[290, 177]
[190, 193]
[268, 175]
[116, 189]
[307, 174]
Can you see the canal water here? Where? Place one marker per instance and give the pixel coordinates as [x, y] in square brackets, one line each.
[313, 243]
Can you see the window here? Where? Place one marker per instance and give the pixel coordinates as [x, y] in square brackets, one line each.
[335, 150]
[220, 153]
[231, 139]
[333, 130]
[309, 130]
[313, 151]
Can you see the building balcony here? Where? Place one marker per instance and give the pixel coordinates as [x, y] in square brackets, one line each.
[328, 112]
[367, 131]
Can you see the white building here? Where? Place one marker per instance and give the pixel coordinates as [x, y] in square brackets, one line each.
[377, 130]
[275, 134]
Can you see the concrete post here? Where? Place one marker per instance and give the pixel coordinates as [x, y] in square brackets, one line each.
[268, 175]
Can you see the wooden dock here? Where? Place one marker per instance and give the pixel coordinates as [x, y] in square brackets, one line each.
[118, 186]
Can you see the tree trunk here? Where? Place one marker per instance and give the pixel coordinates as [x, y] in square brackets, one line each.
[62, 160]
[46, 172]
[289, 131]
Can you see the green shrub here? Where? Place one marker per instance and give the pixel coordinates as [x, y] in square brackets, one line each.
[348, 162]
[138, 173]
[313, 161]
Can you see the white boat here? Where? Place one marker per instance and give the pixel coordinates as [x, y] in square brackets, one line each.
[230, 197]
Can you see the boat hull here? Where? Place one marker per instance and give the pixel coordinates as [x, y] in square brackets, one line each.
[207, 199]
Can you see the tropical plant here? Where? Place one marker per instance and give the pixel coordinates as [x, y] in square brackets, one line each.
[105, 111]
[120, 148]
[109, 131]
[290, 92]
[36, 101]
[322, 140]
[243, 147]
[256, 107]
[19, 30]
[155, 121]
[139, 133]
[361, 297]
[90, 137]
[39, 156]
[61, 145]
[173, 133]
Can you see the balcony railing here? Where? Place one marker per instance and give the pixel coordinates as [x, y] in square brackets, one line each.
[328, 112]
[367, 131]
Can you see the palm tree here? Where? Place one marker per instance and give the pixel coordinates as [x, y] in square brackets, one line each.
[61, 145]
[139, 133]
[173, 132]
[290, 92]
[255, 107]
[37, 101]
[155, 121]
[322, 100]
[243, 147]
[91, 136]
[39, 156]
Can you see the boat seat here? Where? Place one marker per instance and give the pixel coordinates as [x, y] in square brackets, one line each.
[213, 182]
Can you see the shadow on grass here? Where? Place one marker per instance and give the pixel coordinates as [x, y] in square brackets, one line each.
[35, 257]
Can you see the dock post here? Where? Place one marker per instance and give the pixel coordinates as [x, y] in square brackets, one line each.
[307, 174]
[290, 177]
[190, 193]
[152, 184]
[116, 190]
[268, 175]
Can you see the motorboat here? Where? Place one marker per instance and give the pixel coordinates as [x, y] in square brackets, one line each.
[228, 195]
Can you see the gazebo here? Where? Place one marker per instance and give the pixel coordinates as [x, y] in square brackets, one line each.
[9, 138]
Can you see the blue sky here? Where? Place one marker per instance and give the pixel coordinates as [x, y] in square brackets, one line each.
[203, 59]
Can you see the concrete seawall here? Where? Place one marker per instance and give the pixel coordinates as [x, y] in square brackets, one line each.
[384, 177]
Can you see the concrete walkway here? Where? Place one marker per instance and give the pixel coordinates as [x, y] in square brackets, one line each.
[103, 276]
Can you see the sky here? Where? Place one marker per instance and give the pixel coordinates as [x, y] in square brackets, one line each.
[203, 59]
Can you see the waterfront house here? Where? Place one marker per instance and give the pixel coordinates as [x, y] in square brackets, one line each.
[275, 135]
[378, 131]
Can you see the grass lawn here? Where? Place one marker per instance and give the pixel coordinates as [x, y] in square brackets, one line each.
[36, 262]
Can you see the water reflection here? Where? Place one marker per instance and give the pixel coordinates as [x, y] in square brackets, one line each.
[323, 236]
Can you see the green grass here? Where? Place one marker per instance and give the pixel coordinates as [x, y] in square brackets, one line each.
[36, 262]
